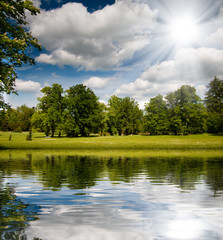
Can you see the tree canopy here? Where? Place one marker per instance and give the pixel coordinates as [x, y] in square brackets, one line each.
[14, 40]
[81, 109]
[124, 115]
[214, 105]
[50, 109]
[78, 112]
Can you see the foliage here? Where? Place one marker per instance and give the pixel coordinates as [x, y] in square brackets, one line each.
[24, 116]
[114, 104]
[81, 108]
[14, 40]
[124, 116]
[40, 123]
[187, 113]
[214, 105]
[16, 120]
[101, 119]
[50, 108]
[156, 119]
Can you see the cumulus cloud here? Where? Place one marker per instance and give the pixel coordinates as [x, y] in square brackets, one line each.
[97, 82]
[91, 41]
[195, 67]
[27, 86]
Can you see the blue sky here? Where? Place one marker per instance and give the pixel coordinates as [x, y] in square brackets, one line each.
[135, 48]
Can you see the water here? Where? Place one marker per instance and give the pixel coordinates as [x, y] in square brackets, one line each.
[45, 196]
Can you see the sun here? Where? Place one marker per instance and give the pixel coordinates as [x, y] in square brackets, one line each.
[183, 30]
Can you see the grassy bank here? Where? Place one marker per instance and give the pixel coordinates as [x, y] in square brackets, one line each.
[191, 142]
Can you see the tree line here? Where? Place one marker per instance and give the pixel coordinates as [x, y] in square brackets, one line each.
[78, 112]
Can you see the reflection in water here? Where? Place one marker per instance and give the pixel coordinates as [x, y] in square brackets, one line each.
[14, 214]
[111, 198]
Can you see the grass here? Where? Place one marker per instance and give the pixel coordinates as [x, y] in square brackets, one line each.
[113, 143]
[121, 153]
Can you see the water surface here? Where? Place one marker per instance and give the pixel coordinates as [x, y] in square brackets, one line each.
[66, 196]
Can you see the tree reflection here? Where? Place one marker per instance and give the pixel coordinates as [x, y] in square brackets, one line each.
[79, 172]
[124, 169]
[14, 214]
[74, 171]
[180, 171]
[215, 175]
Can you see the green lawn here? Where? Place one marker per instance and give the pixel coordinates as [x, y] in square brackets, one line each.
[190, 142]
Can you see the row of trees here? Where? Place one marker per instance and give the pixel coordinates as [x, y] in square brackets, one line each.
[78, 112]
[16, 120]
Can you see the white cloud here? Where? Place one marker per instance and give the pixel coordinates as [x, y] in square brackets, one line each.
[195, 67]
[216, 38]
[27, 86]
[91, 41]
[37, 3]
[97, 82]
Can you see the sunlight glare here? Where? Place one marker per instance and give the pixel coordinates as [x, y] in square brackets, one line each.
[183, 30]
[185, 229]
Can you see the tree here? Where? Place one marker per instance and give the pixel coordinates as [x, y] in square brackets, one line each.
[173, 112]
[81, 108]
[24, 117]
[130, 116]
[40, 122]
[214, 105]
[17, 120]
[124, 115]
[51, 107]
[101, 119]
[13, 121]
[187, 112]
[155, 119]
[114, 125]
[14, 40]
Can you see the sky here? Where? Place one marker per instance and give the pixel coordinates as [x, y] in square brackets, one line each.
[134, 48]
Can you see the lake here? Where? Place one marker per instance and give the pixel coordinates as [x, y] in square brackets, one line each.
[47, 195]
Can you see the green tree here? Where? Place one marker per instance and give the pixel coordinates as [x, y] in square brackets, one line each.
[214, 105]
[39, 122]
[193, 112]
[81, 108]
[101, 119]
[131, 116]
[124, 115]
[14, 40]
[3, 120]
[173, 112]
[17, 120]
[155, 119]
[13, 121]
[51, 107]
[114, 124]
[24, 117]
[187, 113]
